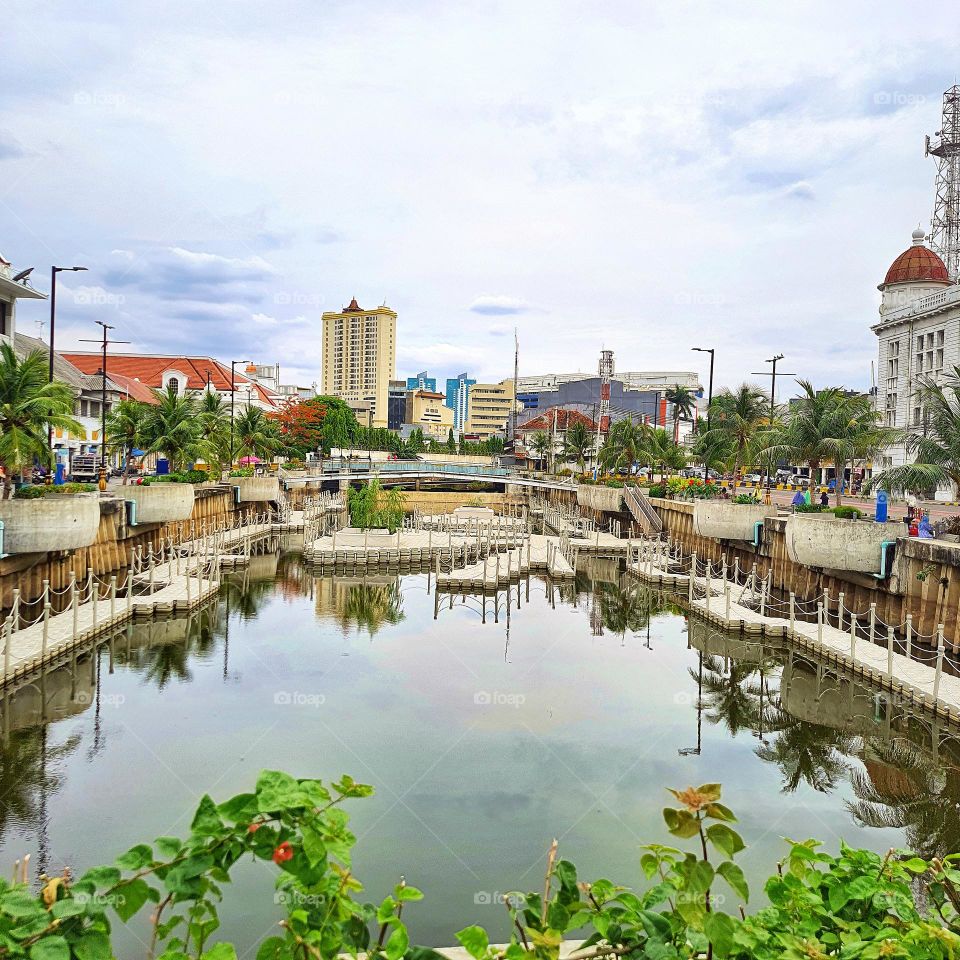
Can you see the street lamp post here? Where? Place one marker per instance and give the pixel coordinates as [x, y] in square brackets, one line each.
[712, 352]
[773, 408]
[233, 390]
[53, 318]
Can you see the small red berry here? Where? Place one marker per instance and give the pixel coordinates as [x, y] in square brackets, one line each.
[254, 827]
[282, 853]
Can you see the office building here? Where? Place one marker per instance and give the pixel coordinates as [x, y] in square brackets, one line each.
[490, 406]
[359, 356]
[458, 399]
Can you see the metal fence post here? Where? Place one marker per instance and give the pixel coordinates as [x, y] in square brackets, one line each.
[940, 652]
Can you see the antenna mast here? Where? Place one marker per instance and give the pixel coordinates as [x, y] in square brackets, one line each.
[945, 222]
[606, 373]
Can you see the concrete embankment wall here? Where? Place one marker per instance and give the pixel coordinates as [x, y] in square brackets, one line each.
[924, 580]
[442, 501]
[110, 553]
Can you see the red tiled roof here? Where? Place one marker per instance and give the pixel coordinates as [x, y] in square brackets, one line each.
[354, 307]
[916, 263]
[564, 419]
[133, 388]
[149, 370]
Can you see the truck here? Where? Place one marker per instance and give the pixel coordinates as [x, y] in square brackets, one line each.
[85, 468]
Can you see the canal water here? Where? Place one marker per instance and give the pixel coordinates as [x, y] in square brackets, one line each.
[487, 727]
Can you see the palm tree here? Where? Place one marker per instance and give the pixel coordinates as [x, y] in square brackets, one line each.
[935, 447]
[624, 445]
[29, 403]
[255, 434]
[809, 753]
[173, 428]
[684, 402]
[578, 443]
[902, 788]
[660, 449]
[213, 417]
[740, 421]
[828, 426]
[127, 430]
[541, 444]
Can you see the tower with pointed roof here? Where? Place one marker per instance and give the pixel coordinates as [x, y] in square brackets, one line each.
[360, 358]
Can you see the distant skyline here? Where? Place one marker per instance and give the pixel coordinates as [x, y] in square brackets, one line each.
[641, 178]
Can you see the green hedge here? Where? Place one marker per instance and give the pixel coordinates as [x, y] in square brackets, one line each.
[37, 490]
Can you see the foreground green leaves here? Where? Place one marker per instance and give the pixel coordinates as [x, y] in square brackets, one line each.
[693, 903]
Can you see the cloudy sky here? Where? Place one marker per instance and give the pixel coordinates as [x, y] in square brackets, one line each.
[632, 175]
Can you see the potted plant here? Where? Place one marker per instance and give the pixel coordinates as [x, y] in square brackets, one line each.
[837, 542]
[252, 489]
[44, 518]
[162, 499]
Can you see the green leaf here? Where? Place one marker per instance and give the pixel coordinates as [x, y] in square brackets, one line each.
[278, 791]
[719, 929]
[70, 907]
[220, 951]
[50, 948]
[405, 894]
[129, 897]
[566, 873]
[313, 845]
[699, 877]
[710, 790]
[93, 945]
[169, 847]
[474, 940]
[915, 865]
[727, 841]
[838, 897]
[101, 876]
[719, 812]
[239, 809]
[273, 948]
[649, 864]
[387, 910]
[397, 943]
[136, 858]
[20, 904]
[681, 823]
[655, 924]
[862, 888]
[735, 878]
[206, 821]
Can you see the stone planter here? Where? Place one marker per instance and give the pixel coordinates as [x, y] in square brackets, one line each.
[609, 499]
[159, 502]
[827, 541]
[257, 489]
[724, 520]
[54, 522]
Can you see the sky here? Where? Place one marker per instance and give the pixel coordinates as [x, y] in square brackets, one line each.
[638, 176]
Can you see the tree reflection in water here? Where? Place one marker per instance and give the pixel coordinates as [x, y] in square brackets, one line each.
[809, 753]
[370, 606]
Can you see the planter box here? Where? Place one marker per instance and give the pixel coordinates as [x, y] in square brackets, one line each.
[724, 520]
[820, 541]
[160, 502]
[257, 489]
[55, 522]
[609, 499]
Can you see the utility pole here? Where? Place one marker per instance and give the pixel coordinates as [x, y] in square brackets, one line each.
[53, 327]
[104, 343]
[513, 408]
[773, 407]
[712, 352]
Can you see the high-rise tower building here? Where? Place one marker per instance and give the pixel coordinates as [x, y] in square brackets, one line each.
[359, 356]
[945, 222]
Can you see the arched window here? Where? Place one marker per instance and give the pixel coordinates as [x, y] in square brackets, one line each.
[173, 384]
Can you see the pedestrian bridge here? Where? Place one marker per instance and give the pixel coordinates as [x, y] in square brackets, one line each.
[400, 471]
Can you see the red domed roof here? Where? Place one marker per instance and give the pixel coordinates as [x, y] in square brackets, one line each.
[917, 264]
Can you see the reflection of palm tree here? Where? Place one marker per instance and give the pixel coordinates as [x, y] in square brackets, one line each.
[916, 796]
[163, 663]
[371, 605]
[808, 753]
[627, 606]
[247, 596]
[25, 777]
[732, 697]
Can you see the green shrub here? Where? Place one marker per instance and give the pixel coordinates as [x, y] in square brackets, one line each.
[657, 490]
[617, 484]
[847, 513]
[37, 490]
[808, 508]
[690, 904]
[242, 472]
[745, 498]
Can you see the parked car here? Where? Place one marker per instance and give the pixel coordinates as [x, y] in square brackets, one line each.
[753, 478]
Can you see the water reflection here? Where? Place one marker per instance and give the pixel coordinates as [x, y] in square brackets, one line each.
[807, 728]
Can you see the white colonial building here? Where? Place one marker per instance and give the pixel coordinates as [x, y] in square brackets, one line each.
[919, 334]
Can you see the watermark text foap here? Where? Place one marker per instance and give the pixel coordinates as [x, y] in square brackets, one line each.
[513, 898]
[296, 698]
[106, 699]
[498, 698]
